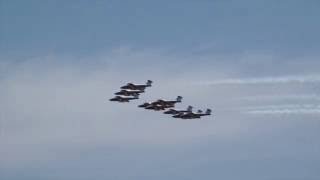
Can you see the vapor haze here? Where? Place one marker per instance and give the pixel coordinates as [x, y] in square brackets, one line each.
[50, 108]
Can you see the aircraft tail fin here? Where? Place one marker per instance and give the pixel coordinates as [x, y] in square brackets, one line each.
[208, 111]
[148, 83]
[189, 108]
[179, 99]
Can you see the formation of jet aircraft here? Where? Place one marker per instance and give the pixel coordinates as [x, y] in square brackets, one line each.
[132, 91]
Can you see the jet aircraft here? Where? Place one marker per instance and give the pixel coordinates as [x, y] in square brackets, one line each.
[167, 103]
[157, 107]
[144, 105]
[179, 115]
[160, 104]
[125, 92]
[191, 115]
[132, 86]
[124, 99]
[174, 111]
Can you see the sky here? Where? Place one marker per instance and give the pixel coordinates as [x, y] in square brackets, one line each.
[254, 63]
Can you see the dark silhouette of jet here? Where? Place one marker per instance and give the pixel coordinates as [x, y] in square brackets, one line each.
[179, 115]
[157, 107]
[174, 111]
[125, 92]
[191, 115]
[160, 104]
[146, 104]
[166, 102]
[124, 99]
[132, 86]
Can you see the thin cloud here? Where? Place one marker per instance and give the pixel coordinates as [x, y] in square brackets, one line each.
[285, 109]
[281, 97]
[267, 80]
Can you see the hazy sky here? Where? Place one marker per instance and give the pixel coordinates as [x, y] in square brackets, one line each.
[255, 63]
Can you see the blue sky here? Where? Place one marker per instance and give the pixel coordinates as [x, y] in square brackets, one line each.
[255, 63]
[80, 27]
